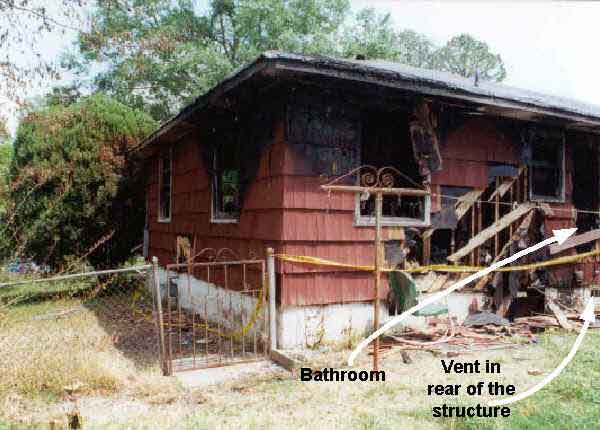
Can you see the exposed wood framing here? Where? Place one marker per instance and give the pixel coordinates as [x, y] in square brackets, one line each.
[502, 189]
[496, 218]
[426, 250]
[506, 185]
[523, 226]
[465, 202]
[473, 233]
[438, 284]
[479, 228]
[491, 231]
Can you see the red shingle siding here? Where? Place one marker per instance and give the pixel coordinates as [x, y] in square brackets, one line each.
[260, 222]
[285, 207]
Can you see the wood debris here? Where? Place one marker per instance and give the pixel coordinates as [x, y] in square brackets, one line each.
[559, 314]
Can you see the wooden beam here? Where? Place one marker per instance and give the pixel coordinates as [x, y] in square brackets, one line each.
[473, 233]
[479, 228]
[426, 251]
[513, 237]
[507, 184]
[496, 218]
[574, 241]
[501, 189]
[559, 314]
[284, 360]
[464, 203]
[491, 231]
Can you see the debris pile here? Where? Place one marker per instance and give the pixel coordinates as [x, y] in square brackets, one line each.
[482, 331]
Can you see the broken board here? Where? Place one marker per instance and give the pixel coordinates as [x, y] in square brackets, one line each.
[574, 241]
[489, 232]
[559, 314]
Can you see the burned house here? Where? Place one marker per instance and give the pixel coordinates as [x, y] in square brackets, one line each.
[493, 169]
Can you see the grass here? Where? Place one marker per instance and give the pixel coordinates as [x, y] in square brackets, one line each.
[41, 352]
[52, 350]
[98, 345]
[572, 401]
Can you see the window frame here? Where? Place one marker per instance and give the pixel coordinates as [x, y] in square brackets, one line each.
[161, 161]
[562, 177]
[214, 191]
[369, 221]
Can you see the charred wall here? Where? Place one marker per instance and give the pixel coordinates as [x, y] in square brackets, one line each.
[259, 136]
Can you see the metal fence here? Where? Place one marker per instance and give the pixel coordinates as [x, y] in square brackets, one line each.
[211, 314]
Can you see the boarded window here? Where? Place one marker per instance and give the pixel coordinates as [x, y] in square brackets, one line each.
[165, 180]
[547, 172]
[324, 135]
[226, 182]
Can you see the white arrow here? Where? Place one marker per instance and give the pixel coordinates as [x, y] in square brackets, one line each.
[559, 236]
[587, 316]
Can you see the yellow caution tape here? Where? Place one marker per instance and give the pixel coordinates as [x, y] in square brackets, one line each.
[448, 268]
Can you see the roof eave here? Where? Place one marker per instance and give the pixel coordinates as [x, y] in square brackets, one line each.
[351, 71]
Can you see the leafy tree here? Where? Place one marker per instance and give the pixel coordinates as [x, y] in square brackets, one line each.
[158, 55]
[467, 56]
[372, 36]
[23, 24]
[161, 54]
[62, 95]
[73, 181]
[5, 156]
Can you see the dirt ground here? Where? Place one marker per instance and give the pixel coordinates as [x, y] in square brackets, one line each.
[98, 358]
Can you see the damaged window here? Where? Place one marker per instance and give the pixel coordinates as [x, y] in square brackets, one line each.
[394, 209]
[165, 179]
[226, 183]
[386, 143]
[547, 170]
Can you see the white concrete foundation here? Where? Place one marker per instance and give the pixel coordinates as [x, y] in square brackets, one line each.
[299, 326]
[309, 326]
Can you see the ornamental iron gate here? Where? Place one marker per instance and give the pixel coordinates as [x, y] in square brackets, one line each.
[212, 314]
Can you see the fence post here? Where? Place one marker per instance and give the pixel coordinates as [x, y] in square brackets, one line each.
[377, 273]
[159, 316]
[272, 304]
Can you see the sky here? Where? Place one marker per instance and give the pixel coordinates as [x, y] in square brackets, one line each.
[547, 46]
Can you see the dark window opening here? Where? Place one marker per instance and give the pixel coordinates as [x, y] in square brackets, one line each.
[226, 183]
[585, 176]
[547, 171]
[394, 207]
[386, 142]
[449, 234]
[164, 184]
[441, 245]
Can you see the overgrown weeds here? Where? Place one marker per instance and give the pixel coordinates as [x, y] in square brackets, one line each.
[46, 354]
[56, 349]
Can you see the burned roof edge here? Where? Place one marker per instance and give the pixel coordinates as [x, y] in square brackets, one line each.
[423, 81]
